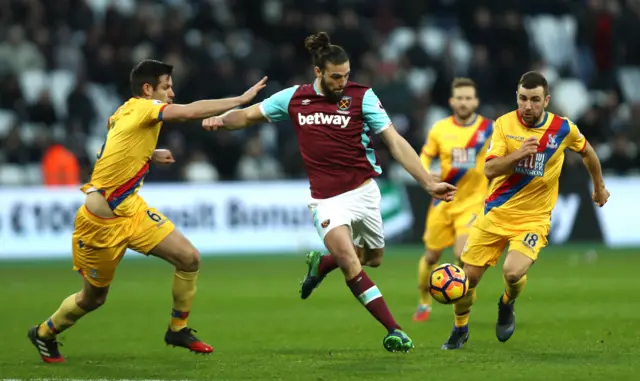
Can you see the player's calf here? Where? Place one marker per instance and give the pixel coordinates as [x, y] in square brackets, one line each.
[178, 250]
[43, 336]
[514, 271]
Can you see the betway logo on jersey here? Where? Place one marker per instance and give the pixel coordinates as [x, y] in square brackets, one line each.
[320, 118]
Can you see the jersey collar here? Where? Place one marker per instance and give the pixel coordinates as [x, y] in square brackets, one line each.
[473, 121]
[315, 87]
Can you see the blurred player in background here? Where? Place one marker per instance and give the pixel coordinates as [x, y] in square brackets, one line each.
[459, 141]
[523, 163]
[333, 119]
[115, 218]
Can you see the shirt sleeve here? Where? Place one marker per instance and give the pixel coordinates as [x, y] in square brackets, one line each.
[276, 107]
[430, 147]
[152, 111]
[498, 143]
[576, 142]
[374, 114]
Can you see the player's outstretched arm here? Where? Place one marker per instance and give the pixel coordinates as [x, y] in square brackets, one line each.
[402, 151]
[208, 108]
[499, 166]
[235, 119]
[592, 162]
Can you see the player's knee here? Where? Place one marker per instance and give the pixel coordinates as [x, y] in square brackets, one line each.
[432, 256]
[512, 276]
[189, 260]
[91, 301]
[374, 262]
[473, 275]
[373, 257]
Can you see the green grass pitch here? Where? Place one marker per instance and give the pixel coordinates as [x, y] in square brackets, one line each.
[577, 320]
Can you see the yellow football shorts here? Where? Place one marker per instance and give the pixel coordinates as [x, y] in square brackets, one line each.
[487, 242]
[443, 225]
[100, 243]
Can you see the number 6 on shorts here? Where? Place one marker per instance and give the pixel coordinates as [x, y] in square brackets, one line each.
[154, 217]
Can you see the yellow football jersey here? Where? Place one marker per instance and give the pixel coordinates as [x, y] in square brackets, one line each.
[461, 152]
[529, 194]
[124, 158]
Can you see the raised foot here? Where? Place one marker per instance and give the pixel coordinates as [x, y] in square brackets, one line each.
[422, 313]
[313, 279]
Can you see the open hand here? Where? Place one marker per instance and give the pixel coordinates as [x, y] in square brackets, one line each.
[253, 90]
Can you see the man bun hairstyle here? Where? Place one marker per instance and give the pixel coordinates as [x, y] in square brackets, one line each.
[148, 71]
[532, 79]
[323, 52]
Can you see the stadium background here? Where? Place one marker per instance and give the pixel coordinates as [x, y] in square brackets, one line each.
[64, 68]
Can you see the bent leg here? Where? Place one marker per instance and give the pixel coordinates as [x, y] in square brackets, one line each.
[514, 271]
[156, 235]
[523, 251]
[427, 263]
[340, 245]
[438, 235]
[178, 250]
[483, 249]
[97, 247]
[73, 308]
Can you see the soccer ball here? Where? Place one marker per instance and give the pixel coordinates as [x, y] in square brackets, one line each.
[448, 283]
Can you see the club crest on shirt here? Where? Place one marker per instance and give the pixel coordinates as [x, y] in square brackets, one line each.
[481, 137]
[325, 223]
[552, 142]
[345, 103]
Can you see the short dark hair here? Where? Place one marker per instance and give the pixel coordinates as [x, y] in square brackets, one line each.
[532, 79]
[463, 82]
[323, 52]
[148, 71]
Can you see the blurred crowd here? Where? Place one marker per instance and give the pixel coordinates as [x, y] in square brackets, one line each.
[64, 68]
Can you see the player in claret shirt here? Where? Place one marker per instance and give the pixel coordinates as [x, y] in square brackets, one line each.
[333, 119]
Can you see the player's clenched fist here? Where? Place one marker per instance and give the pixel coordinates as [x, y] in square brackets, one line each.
[213, 123]
[600, 196]
[163, 156]
[529, 147]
